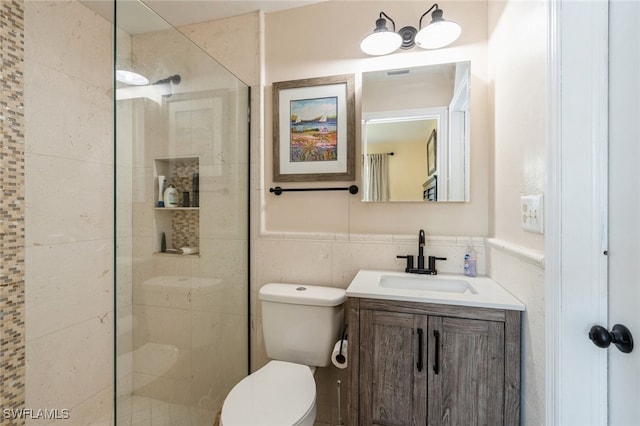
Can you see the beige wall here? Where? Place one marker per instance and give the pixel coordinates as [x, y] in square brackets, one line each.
[517, 64]
[326, 42]
[234, 42]
[69, 209]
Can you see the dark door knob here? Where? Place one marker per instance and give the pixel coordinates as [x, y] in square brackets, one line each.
[619, 336]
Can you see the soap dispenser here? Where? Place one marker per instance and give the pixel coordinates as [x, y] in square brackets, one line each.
[470, 262]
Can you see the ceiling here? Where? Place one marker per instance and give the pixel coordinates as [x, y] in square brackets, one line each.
[184, 12]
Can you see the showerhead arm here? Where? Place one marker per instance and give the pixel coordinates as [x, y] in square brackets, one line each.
[175, 79]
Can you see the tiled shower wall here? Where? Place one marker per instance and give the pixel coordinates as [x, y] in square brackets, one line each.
[12, 347]
[69, 247]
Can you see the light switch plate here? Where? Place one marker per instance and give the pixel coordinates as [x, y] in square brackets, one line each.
[532, 213]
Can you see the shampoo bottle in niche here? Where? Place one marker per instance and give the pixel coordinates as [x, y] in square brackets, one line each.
[161, 181]
[470, 262]
[171, 196]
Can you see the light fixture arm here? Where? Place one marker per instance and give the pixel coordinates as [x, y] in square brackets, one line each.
[425, 14]
[389, 18]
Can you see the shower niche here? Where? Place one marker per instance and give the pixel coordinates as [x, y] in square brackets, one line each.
[181, 224]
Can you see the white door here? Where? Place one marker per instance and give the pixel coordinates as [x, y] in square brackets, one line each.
[624, 208]
[593, 240]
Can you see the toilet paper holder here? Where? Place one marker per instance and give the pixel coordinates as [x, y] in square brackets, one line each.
[340, 357]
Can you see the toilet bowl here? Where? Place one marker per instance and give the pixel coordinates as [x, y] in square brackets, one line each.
[279, 394]
[300, 324]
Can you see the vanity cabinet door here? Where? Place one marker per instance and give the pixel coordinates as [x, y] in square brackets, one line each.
[470, 372]
[393, 372]
[466, 372]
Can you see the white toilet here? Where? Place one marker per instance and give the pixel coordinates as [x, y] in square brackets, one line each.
[301, 324]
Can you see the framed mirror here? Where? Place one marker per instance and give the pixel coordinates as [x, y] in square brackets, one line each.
[415, 134]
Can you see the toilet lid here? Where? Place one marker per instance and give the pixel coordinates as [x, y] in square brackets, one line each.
[279, 394]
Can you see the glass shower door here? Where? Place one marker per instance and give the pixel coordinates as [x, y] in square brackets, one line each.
[181, 225]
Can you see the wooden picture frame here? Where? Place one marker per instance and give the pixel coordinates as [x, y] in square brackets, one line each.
[314, 129]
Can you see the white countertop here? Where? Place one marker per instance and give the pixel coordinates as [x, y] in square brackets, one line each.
[489, 293]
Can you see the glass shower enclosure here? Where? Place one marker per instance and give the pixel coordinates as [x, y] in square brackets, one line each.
[181, 213]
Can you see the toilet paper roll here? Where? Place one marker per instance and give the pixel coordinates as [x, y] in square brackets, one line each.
[338, 359]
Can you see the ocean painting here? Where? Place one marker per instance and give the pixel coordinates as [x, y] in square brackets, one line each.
[314, 130]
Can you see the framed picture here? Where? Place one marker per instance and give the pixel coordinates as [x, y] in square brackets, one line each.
[314, 129]
[432, 153]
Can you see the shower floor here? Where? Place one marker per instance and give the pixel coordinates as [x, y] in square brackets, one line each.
[142, 411]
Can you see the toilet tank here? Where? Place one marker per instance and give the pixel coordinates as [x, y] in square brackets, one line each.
[301, 323]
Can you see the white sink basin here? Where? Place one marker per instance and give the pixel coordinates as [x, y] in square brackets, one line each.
[448, 289]
[426, 283]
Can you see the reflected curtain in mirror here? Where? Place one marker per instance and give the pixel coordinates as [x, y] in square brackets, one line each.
[377, 172]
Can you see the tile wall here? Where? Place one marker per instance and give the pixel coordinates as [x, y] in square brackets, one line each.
[12, 228]
[69, 211]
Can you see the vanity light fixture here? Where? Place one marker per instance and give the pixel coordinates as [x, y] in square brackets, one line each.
[438, 33]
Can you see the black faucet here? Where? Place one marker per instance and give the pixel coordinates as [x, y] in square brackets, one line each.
[421, 249]
[431, 268]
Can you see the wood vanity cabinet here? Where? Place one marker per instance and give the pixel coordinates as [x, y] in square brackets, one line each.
[429, 364]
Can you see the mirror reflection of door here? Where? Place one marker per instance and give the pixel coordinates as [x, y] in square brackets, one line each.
[400, 111]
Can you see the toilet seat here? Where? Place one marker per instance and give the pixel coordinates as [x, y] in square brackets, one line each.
[279, 394]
